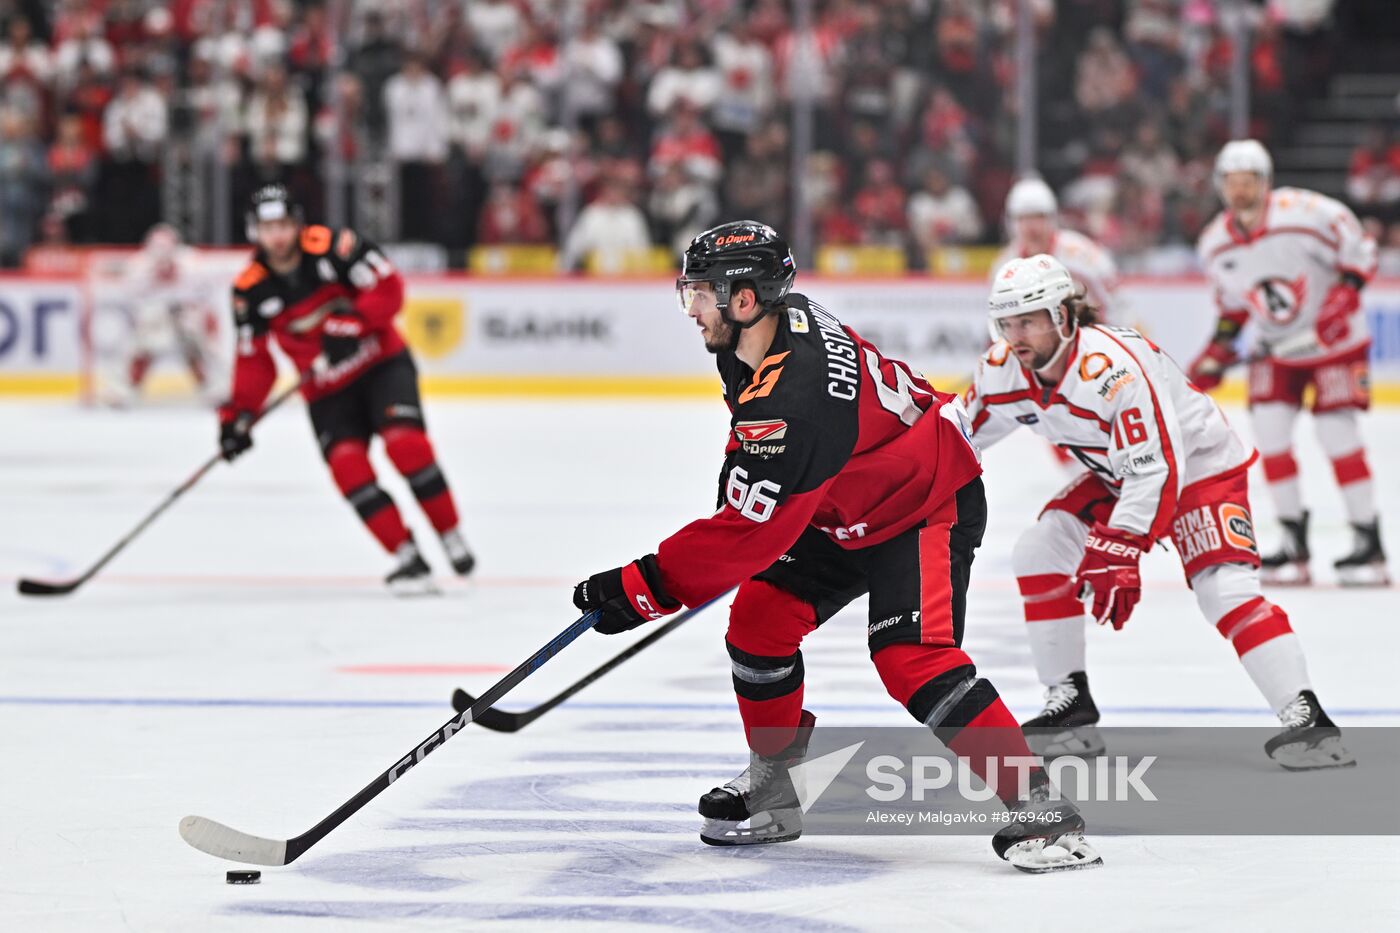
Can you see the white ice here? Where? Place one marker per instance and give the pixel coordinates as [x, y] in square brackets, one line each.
[242, 662]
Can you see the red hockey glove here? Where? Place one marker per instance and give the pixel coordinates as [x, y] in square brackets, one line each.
[1334, 320]
[627, 596]
[1110, 571]
[1209, 368]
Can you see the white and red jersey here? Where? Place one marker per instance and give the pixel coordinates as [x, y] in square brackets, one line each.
[164, 280]
[1089, 263]
[1280, 273]
[1124, 409]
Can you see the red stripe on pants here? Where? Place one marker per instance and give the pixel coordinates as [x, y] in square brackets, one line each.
[935, 584]
[1280, 467]
[1352, 468]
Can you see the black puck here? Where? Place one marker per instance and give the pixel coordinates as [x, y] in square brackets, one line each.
[243, 876]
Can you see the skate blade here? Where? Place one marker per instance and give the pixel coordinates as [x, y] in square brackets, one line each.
[1364, 575]
[1070, 852]
[408, 589]
[1308, 756]
[1077, 742]
[781, 826]
[1286, 575]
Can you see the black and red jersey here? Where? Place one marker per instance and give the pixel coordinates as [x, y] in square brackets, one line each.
[335, 268]
[825, 433]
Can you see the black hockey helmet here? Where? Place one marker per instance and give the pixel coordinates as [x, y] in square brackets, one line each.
[740, 252]
[271, 202]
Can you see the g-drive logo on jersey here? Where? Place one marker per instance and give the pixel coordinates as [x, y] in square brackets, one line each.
[757, 437]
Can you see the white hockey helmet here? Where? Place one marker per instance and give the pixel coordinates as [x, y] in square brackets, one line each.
[1037, 283]
[1030, 196]
[1243, 155]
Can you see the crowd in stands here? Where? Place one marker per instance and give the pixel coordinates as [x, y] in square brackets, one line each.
[640, 122]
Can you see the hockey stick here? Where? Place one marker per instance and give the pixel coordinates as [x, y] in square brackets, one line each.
[219, 840]
[498, 720]
[41, 588]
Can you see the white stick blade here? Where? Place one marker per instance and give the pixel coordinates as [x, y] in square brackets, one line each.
[221, 841]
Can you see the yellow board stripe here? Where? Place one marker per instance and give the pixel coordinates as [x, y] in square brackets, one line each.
[553, 385]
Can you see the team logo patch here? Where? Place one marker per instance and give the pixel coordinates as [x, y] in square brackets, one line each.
[769, 371]
[760, 430]
[758, 437]
[1093, 366]
[1031, 418]
[270, 307]
[797, 321]
[1279, 300]
[1236, 524]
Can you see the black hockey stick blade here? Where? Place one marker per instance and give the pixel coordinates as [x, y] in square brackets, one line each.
[498, 720]
[40, 588]
[225, 842]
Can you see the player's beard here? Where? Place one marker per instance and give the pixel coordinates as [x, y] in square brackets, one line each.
[723, 337]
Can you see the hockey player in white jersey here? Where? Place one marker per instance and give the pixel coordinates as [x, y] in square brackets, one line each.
[169, 315]
[1293, 263]
[1160, 460]
[1032, 220]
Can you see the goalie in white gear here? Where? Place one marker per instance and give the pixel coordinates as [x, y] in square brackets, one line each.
[1032, 221]
[1293, 263]
[1113, 400]
[169, 315]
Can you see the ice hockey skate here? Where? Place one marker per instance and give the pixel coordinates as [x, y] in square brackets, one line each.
[1068, 723]
[412, 576]
[1046, 835]
[1310, 741]
[762, 796]
[1288, 566]
[1365, 565]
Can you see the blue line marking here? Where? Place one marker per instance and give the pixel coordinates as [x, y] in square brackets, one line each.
[293, 703]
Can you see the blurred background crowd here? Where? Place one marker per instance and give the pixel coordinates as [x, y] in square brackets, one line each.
[580, 124]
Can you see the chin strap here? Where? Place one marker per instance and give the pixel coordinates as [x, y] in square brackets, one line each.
[1064, 345]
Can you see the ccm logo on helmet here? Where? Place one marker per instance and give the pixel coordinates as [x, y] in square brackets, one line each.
[731, 238]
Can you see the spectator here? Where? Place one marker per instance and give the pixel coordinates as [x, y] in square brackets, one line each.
[518, 126]
[276, 122]
[1373, 178]
[73, 163]
[942, 214]
[879, 207]
[512, 216]
[1149, 161]
[312, 43]
[745, 100]
[686, 141]
[134, 128]
[85, 46]
[688, 78]
[1105, 80]
[756, 184]
[473, 99]
[377, 58]
[23, 184]
[497, 25]
[681, 208]
[1153, 29]
[416, 105]
[25, 70]
[591, 70]
[611, 230]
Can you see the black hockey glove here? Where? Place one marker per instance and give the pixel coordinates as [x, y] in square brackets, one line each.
[341, 334]
[627, 596]
[235, 436]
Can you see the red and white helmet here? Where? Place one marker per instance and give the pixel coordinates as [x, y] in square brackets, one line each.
[1036, 283]
[1243, 155]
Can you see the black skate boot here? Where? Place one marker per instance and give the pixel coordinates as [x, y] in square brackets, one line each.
[1066, 726]
[413, 576]
[763, 795]
[1365, 565]
[1309, 740]
[1288, 566]
[1045, 835]
[461, 556]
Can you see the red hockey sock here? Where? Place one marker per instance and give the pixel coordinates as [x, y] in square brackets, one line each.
[350, 466]
[412, 454]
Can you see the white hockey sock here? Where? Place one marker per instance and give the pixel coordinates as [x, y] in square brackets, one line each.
[1057, 646]
[1278, 669]
[1340, 434]
[1360, 500]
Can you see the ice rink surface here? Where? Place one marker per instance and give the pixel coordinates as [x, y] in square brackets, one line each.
[242, 661]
